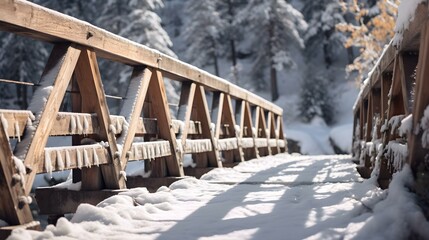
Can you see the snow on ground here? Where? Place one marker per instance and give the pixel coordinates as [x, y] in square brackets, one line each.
[277, 197]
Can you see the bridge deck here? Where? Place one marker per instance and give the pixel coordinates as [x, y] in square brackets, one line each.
[276, 197]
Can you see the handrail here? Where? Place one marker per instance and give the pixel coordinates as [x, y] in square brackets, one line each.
[390, 107]
[240, 126]
[26, 18]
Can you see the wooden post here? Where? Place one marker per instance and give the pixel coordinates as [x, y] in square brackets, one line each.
[55, 79]
[132, 109]
[161, 111]
[223, 116]
[272, 133]
[417, 153]
[245, 121]
[94, 101]
[203, 115]
[280, 133]
[12, 210]
[261, 130]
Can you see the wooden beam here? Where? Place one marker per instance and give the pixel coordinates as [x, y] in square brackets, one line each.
[280, 133]
[54, 82]
[417, 153]
[160, 111]
[94, 101]
[12, 210]
[260, 126]
[17, 121]
[132, 109]
[29, 19]
[223, 116]
[245, 119]
[203, 115]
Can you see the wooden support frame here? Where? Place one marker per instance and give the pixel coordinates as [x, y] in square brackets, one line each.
[12, 210]
[61, 63]
[170, 165]
[73, 64]
[244, 117]
[223, 116]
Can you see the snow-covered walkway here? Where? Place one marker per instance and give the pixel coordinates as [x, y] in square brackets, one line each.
[276, 197]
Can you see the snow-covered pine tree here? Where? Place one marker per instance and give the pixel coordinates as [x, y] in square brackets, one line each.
[275, 27]
[315, 100]
[23, 60]
[322, 17]
[144, 27]
[232, 34]
[202, 32]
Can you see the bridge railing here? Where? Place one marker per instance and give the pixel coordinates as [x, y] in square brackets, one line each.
[390, 122]
[238, 126]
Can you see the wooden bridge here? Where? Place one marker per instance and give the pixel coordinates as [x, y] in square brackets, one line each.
[238, 126]
[391, 112]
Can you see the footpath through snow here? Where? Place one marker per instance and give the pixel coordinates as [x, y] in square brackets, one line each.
[277, 197]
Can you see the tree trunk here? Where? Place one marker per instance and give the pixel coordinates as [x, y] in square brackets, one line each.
[215, 60]
[273, 72]
[232, 42]
[274, 88]
[350, 55]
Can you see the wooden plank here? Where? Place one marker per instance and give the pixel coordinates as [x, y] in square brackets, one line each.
[261, 132]
[246, 125]
[59, 160]
[411, 35]
[228, 118]
[273, 133]
[6, 231]
[18, 119]
[417, 153]
[224, 119]
[407, 63]
[55, 77]
[94, 101]
[203, 115]
[50, 197]
[161, 112]
[376, 111]
[280, 133]
[12, 210]
[31, 20]
[132, 109]
[386, 84]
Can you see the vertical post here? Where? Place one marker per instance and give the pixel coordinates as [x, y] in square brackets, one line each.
[12, 210]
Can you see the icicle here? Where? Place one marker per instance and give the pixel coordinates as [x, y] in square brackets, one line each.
[118, 125]
[95, 157]
[5, 124]
[123, 174]
[72, 123]
[86, 162]
[158, 151]
[144, 152]
[17, 131]
[68, 161]
[60, 162]
[79, 124]
[79, 158]
[48, 163]
[85, 125]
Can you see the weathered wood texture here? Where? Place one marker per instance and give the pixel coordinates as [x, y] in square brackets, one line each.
[390, 122]
[102, 144]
